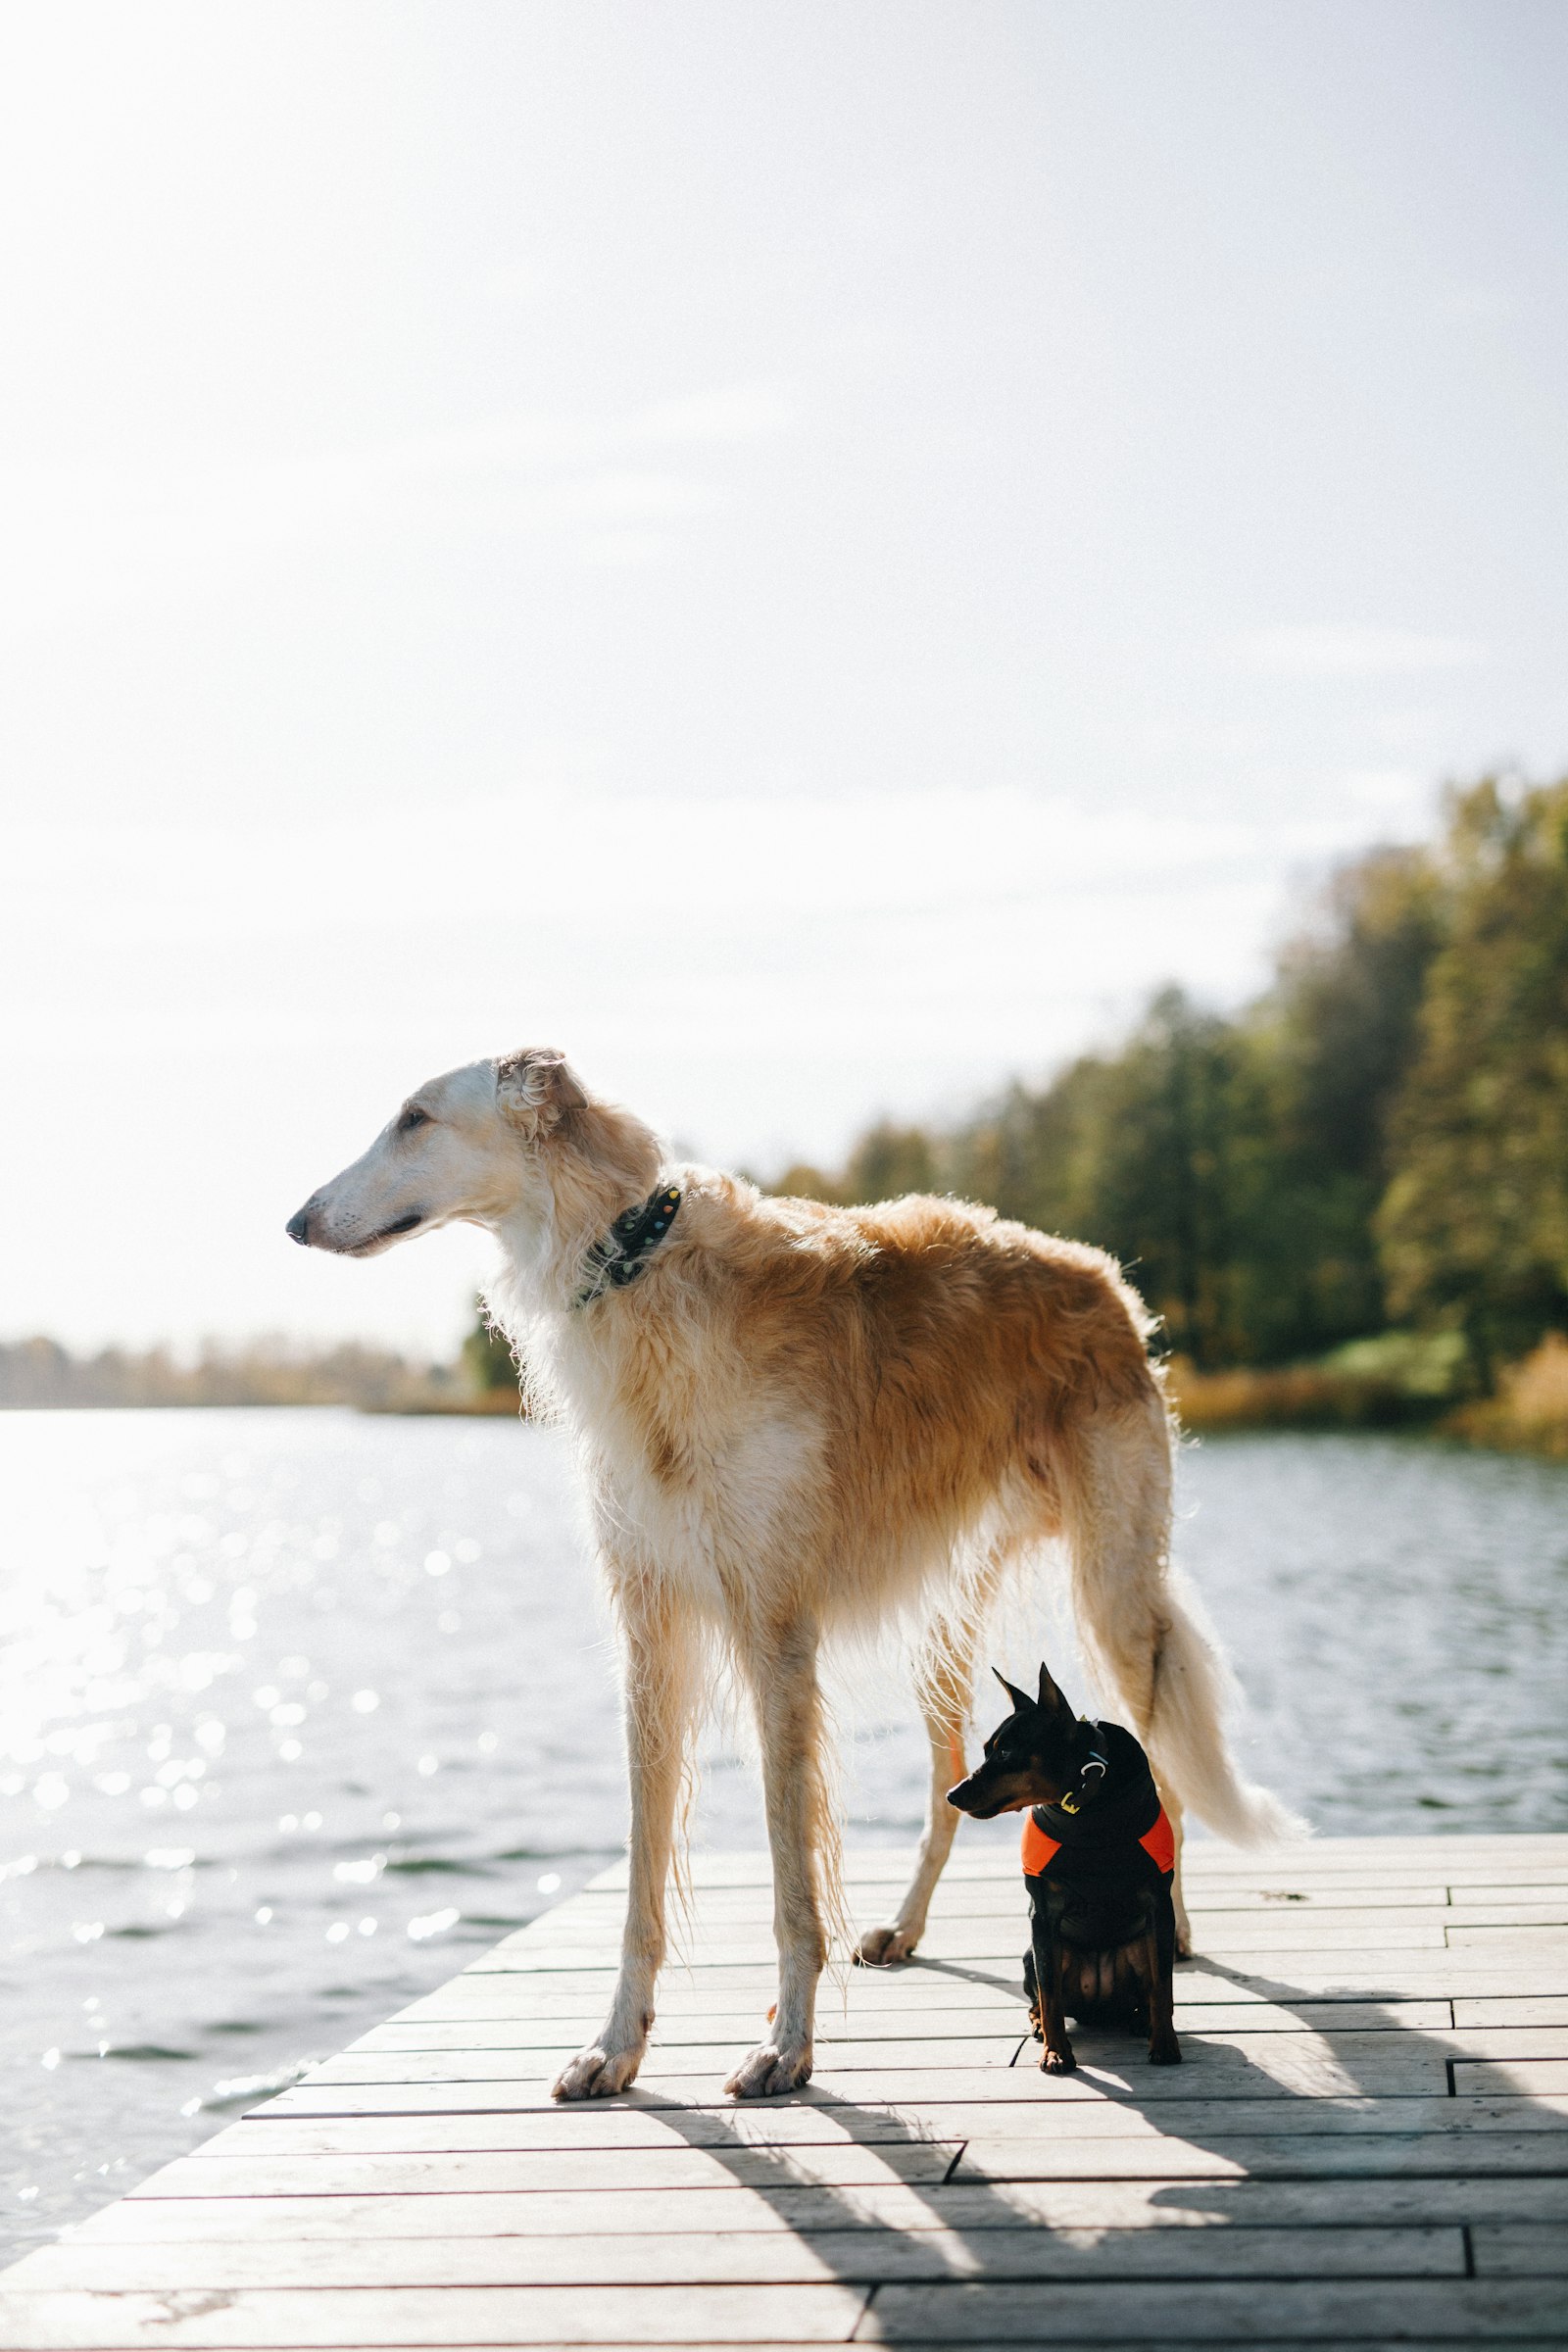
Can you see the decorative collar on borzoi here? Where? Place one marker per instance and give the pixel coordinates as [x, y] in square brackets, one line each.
[628, 1245]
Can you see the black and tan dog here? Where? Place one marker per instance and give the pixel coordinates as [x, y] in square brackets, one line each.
[1099, 1854]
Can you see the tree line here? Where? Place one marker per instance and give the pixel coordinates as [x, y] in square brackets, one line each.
[1379, 1142]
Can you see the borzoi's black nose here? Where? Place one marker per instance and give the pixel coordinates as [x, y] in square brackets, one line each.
[298, 1227]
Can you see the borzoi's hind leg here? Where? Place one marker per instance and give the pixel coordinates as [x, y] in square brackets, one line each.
[1117, 1485]
[662, 1656]
[801, 1832]
[1183, 1932]
[947, 1689]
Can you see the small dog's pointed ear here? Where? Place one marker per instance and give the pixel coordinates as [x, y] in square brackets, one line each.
[1050, 1700]
[533, 1087]
[1019, 1699]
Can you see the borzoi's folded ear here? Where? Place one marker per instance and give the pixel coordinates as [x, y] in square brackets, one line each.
[534, 1086]
[1019, 1699]
[1050, 1700]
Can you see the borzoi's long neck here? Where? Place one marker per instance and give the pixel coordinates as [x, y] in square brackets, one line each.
[595, 1164]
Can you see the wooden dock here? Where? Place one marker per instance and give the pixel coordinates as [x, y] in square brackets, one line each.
[1368, 2142]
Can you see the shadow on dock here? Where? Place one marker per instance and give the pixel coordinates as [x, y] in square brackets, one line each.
[960, 2248]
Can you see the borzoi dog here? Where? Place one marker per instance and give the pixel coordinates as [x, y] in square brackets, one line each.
[795, 1421]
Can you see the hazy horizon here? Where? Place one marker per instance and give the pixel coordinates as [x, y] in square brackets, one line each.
[809, 558]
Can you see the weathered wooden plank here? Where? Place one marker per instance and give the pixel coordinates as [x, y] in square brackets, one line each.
[525, 2172]
[1485, 2079]
[1241, 2067]
[1523, 1910]
[1317, 1865]
[1520, 1886]
[876, 2028]
[980, 1854]
[671, 2057]
[732, 2257]
[1520, 2249]
[588, 1916]
[700, 2059]
[1264, 2310]
[792, 2124]
[985, 1992]
[1511, 2009]
[1511, 2041]
[1526, 1945]
[775, 2200]
[1296, 1929]
[702, 2023]
[1411, 1971]
[324, 2318]
[1279, 2155]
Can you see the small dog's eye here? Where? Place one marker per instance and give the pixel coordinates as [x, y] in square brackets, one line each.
[412, 1118]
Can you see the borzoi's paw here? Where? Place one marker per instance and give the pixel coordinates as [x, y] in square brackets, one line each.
[768, 2071]
[884, 1948]
[597, 2072]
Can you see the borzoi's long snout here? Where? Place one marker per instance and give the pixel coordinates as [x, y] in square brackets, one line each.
[445, 1156]
[358, 1215]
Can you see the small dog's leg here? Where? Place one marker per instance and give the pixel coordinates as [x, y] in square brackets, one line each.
[1151, 1956]
[789, 1717]
[660, 1661]
[1031, 1995]
[1056, 2057]
[945, 1690]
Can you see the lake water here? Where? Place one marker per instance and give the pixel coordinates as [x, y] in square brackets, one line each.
[297, 1710]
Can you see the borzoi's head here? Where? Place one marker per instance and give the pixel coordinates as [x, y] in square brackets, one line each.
[514, 1143]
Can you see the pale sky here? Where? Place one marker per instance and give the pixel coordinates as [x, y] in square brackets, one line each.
[809, 554]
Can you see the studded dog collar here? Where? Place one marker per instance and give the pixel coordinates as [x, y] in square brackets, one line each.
[612, 1264]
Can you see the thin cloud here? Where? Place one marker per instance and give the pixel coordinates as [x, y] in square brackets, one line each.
[733, 412]
[1339, 652]
[84, 536]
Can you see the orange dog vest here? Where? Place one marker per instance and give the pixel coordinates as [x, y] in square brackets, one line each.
[1040, 1849]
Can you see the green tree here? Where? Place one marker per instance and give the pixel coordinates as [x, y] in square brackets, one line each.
[1330, 1045]
[890, 1161]
[1135, 1152]
[1473, 1224]
[487, 1356]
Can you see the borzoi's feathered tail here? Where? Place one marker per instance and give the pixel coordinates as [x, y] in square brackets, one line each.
[1143, 1625]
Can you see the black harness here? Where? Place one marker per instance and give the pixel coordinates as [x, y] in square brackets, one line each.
[1096, 1860]
[612, 1264]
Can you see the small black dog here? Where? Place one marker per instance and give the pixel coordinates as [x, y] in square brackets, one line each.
[1098, 1857]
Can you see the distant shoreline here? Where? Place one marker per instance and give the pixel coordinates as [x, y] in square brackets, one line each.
[38, 1374]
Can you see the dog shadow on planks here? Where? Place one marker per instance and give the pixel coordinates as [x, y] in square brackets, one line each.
[1197, 2177]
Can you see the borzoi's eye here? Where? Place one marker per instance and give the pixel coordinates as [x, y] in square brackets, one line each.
[413, 1117]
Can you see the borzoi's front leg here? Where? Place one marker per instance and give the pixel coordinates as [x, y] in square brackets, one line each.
[789, 1717]
[660, 1662]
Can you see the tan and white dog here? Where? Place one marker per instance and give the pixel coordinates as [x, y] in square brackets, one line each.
[796, 1421]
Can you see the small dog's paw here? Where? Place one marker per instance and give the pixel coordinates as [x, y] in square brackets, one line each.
[884, 1948]
[1058, 2062]
[597, 2073]
[767, 2071]
[1165, 2053]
